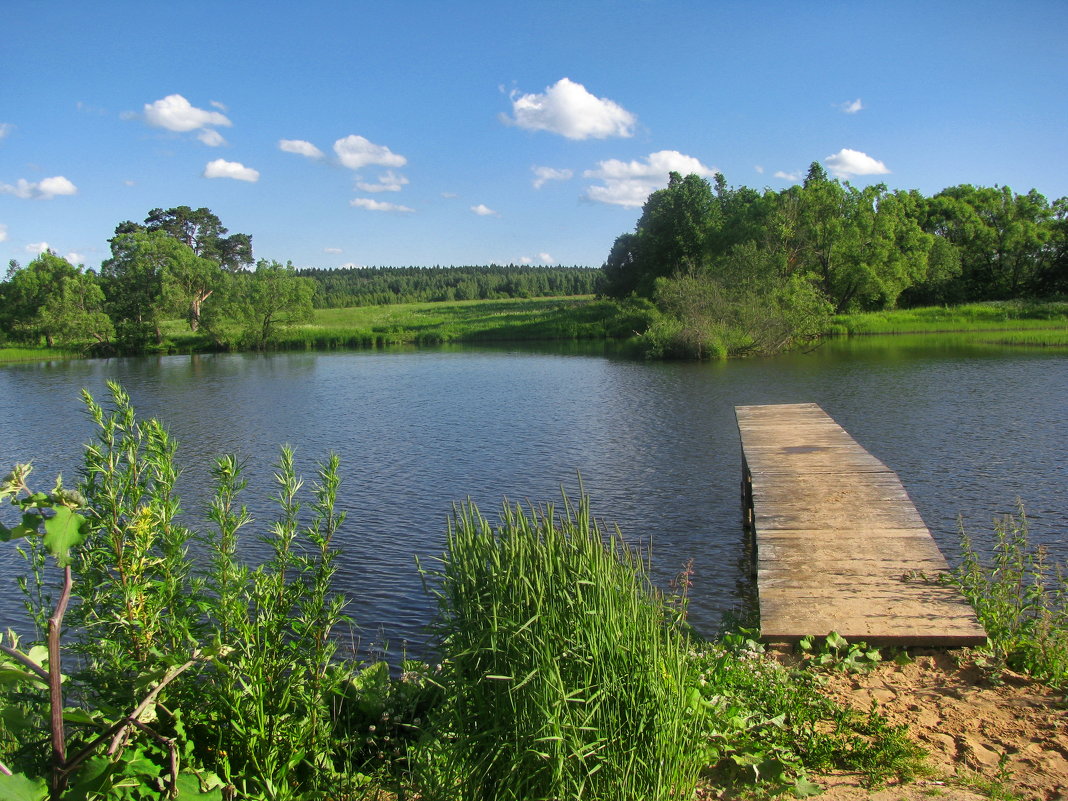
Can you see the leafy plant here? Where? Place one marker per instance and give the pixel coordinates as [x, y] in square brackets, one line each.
[1020, 598]
[838, 653]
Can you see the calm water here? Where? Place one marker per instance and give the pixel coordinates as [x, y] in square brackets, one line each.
[968, 430]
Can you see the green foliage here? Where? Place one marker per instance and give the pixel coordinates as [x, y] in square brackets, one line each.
[763, 722]
[373, 286]
[839, 654]
[1021, 600]
[564, 675]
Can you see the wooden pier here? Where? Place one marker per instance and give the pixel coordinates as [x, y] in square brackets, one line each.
[839, 545]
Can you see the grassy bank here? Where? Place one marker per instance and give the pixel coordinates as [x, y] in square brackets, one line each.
[1034, 324]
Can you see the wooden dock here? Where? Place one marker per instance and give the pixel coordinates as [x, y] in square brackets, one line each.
[839, 544]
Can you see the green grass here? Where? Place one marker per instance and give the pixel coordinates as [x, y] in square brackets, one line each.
[35, 354]
[565, 675]
[1050, 318]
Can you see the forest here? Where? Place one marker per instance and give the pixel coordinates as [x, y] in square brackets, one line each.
[736, 270]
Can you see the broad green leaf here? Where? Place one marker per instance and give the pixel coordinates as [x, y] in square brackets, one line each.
[27, 527]
[20, 787]
[208, 788]
[63, 531]
[836, 641]
[803, 788]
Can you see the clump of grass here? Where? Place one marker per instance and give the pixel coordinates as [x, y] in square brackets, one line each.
[564, 673]
[1021, 599]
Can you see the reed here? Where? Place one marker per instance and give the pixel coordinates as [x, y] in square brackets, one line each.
[564, 674]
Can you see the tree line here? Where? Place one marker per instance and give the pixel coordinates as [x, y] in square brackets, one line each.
[377, 286]
[736, 270]
[179, 264]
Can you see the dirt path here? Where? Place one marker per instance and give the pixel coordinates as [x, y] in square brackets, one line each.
[983, 737]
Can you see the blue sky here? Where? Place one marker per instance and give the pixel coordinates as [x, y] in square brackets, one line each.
[422, 133]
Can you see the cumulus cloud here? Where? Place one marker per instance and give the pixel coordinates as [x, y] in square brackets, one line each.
[3, 232]
[211, 137]
[44, 189]
[355, 152]
[545, 258]
[482, 210]
[175, 113]
[221, 168]
[75, 258]
[300, 147]
[378, 205]
[794, 176]
[851, 107]
[543, 175]
[566, 108]
[846, 163]
[388, 181]
[37, 248]
[629, 183]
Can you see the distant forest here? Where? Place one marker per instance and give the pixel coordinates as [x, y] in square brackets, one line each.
[376, 286]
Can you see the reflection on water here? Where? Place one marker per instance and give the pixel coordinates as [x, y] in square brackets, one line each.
[968, 430]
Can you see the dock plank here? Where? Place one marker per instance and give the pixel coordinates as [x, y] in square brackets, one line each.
[839, 544]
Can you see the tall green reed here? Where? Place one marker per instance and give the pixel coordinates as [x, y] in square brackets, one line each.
[565, 675]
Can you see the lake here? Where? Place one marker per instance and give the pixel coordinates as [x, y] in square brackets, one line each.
[968, 429]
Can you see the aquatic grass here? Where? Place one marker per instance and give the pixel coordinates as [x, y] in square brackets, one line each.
[564, 673]
[1021, 598]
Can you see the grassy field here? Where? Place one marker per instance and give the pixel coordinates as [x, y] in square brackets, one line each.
[1035, 324]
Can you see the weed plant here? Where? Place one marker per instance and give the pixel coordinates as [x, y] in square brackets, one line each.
[1020, 598]
[564, 673]
[767, 724]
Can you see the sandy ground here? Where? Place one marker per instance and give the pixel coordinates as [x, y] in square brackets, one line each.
[984, 736]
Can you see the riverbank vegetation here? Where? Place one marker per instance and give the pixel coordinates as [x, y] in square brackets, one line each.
[736, 271]
[710, 271]
[159, 665]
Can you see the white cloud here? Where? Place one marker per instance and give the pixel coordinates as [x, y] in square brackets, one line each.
[175, 113]
[759, 168]
[300, 147]
[542, 175]
[851, 108]
[794, 176]
[545, 258]
[388, 181]
[45, 189]
[211, 137]
[449, 195]
[355, 152]
[5, 129]
[566, 108]
[218, 105]
[220, 168]
[75, 258]
[3, 232]
[332, 250]
[482, 210]
[629, 183]
[378, 205]
[37, 248]
[848, 162]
